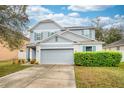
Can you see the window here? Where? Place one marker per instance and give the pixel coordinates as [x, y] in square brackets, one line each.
[86, 33]
[89, 48]
[56, 39]
[38, 36]
[90, 34]
[50, 33]
[118, 47]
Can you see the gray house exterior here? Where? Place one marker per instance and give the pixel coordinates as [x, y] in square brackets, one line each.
[51, 43]
[116, 46]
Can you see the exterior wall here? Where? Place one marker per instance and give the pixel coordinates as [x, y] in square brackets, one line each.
[27, 54]
[113, 48]
[98, 47]
[72, 37]
[7, 54]
[60, 40]
[48, 26]
[32, 37]
[77, 48]
[93, 34]
[56, 45]
[38, 52]
[23, 55]
[80, 33]
[30, 53]
[33, 53]
[45, 28]
[122, 48]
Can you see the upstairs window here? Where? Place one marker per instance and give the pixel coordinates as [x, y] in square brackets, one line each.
[50, 33]
[38, 36]
[86, 32]
[56, 39]
[90, 33]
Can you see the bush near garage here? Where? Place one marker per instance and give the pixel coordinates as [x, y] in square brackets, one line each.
[103, 59]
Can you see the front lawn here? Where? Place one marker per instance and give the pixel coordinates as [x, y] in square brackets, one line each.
[99, 77]
[6, 67]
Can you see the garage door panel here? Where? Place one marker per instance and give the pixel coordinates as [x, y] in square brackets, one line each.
[57, 56]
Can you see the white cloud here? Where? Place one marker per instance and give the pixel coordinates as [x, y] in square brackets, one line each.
[116, 22]
[37, 10]
[74, 14]
[38, 13]
[64, 20]
[85, 8]
[105, 20]
[119, 16]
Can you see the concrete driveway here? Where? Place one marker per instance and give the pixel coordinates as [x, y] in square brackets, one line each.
[41, 76]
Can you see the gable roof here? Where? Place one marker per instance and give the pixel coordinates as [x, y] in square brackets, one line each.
[82, 36]
[46, 21]
[52, 36]
[117, 43]
[79, 27]
[91, 42]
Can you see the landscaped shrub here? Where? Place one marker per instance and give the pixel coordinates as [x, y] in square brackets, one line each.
[97, 58]
[33, 61]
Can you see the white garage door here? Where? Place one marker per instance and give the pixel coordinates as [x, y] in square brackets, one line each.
[57, 56]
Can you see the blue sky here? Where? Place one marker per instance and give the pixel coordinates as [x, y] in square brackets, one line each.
[109, 11]
[72, 15]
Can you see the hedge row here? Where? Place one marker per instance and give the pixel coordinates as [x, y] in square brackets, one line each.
[97, 58]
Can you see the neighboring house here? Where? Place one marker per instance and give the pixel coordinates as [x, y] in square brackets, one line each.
[51, 43]
[116, 46]
[7, 54]
[22, 50]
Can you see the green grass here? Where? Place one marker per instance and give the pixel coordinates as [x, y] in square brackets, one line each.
[6, 67]
[100, 77]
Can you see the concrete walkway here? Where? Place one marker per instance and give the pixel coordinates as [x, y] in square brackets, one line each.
[41, 76]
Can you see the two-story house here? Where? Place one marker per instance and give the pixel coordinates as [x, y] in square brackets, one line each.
[51, 43]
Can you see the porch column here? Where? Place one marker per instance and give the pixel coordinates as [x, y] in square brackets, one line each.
[28, 54]
[33, 53]
[38, 53]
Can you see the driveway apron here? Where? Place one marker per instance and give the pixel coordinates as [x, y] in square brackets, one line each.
[41, 76]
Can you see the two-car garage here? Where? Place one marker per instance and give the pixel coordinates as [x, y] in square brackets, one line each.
[57, 56]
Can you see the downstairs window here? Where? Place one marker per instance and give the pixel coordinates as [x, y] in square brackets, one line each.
[89, 48]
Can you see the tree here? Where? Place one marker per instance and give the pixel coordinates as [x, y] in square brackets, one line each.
[13, 21]
[98, 29]
[108, 36]
[112, 35]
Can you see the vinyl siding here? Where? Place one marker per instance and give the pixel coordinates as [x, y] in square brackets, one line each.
[87, 33]
[59, 40]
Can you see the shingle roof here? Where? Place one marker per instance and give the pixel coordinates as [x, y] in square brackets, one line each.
[117, 43]
[79, 27]
[46, 21]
